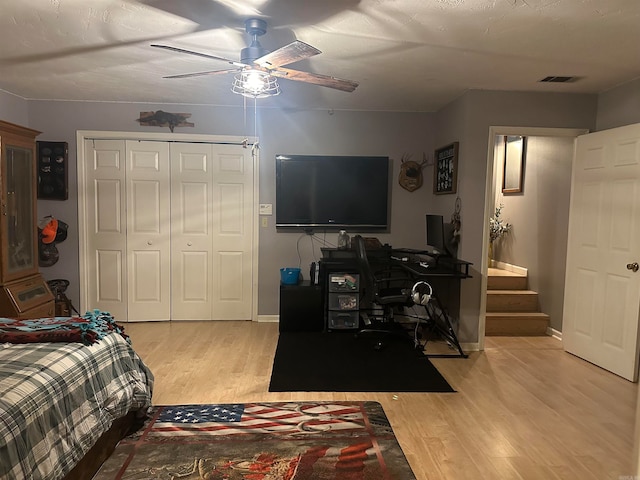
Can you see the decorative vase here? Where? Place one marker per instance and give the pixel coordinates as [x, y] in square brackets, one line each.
[490, 253]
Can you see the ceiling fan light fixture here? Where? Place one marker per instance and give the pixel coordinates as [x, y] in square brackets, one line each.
[255, 84]
[254, 77]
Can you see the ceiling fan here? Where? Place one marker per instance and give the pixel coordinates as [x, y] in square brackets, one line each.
[257, 69]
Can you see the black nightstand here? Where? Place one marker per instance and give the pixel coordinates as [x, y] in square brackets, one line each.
[301, 308]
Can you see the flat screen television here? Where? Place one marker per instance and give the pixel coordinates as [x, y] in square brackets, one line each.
[332, 192]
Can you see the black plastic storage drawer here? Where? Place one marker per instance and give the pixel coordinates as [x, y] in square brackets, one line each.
[344, 282]
[342, 319]
[344, 301]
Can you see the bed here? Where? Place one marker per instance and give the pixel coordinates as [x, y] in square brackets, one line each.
[66, 385]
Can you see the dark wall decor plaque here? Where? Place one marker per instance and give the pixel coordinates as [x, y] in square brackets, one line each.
[53, 174]
[445, 173]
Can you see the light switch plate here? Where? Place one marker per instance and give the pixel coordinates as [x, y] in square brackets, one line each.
[266, 209]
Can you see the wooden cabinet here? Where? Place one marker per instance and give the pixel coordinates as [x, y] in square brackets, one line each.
[24, 293]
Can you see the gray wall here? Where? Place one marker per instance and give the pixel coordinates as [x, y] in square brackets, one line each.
[540, 217]
[59, 121]
[619, 106]
[466, 120]
[350, 133]
[13, 109]
[317, 132]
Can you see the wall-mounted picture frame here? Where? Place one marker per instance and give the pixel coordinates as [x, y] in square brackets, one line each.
[445, 173]
[515, 148]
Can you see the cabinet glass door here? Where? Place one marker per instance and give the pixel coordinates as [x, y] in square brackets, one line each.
[19, 211]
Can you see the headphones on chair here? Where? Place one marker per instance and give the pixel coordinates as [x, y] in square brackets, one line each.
[421, 293]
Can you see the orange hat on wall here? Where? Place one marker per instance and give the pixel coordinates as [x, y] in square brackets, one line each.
[49, 231]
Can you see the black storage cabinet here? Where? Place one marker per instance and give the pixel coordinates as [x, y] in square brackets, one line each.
[301, 308]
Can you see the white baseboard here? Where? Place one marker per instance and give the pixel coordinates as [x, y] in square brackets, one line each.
[509, 268]
[269, 318]
[470, 347]
[552, 332]
[136, 320]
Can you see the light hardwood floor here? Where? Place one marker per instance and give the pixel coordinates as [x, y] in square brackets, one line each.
[524, 408]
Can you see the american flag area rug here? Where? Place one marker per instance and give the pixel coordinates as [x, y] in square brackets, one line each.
[338, 440]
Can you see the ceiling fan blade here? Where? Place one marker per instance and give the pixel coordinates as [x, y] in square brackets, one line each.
[198, 74]
[204, 55]
[288, 54]
[316, 79]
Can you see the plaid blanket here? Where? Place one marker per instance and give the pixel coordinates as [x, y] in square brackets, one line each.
[88, 329]
[57, 399]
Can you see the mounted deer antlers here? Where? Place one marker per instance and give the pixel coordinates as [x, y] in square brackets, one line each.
[410, 177]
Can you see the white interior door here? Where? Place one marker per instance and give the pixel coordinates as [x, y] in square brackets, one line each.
[191, 231]
[104, 227]
[148, 231]
[602, 290]
[232, 232]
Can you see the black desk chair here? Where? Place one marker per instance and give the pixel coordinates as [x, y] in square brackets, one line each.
[383, 290]
[387, 288]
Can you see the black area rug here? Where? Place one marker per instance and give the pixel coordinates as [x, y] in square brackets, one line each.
[342, 362]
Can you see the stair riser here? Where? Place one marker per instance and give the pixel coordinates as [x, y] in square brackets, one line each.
[516, 302]
[506, 283]
[517, 316]
[512, 309]
[519, 327]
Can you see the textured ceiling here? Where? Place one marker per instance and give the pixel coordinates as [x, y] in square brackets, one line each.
[407, 55]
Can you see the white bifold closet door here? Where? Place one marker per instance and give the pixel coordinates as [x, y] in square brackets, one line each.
[148, 224]
[104, 224]
[211, 236]
[191, 231]
[170, 237]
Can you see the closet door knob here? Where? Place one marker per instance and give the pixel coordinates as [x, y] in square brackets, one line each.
[149, 242]
[189, 244]
[633, 266]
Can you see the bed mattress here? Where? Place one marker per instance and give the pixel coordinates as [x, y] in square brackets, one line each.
[57, 399]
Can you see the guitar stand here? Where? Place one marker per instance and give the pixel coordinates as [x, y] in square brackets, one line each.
[439, 323]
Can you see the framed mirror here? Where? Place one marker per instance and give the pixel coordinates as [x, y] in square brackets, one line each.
[514, 155]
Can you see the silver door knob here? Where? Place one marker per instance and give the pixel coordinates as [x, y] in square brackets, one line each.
[633, 266]
[189, 244]
[149, 242]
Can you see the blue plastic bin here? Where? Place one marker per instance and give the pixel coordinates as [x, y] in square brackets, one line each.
[289, 276]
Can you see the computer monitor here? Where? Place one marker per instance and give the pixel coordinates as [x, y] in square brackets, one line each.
[436, 235]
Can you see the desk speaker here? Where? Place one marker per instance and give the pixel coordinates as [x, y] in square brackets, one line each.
[53, 170]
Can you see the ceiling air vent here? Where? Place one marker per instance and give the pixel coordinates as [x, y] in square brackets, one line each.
[556, 79]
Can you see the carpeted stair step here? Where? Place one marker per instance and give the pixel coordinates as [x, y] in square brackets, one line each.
[512, 301]
[505, 280]
[516, 323]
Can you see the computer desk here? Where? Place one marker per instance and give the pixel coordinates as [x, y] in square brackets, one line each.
[426, 264]
[443, 274]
